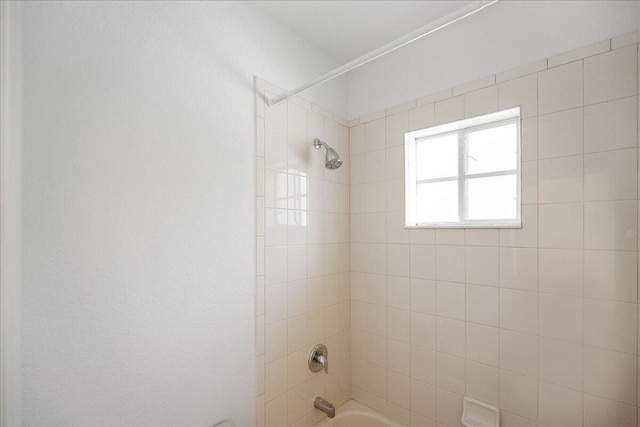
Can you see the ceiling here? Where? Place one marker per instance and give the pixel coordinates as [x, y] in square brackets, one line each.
[348, 29]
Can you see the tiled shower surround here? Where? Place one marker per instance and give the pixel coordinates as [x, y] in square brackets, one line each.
[303, 261]
[541, 321]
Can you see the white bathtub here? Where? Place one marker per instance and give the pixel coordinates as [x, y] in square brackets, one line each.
[354, 414]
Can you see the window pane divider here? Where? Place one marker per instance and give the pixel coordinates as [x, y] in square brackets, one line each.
[490, 174]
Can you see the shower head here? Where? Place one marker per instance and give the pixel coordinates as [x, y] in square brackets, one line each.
[332, 159]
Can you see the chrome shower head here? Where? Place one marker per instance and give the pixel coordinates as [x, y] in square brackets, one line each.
[332, 159]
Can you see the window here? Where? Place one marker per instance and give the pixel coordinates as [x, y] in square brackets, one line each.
[465, 174]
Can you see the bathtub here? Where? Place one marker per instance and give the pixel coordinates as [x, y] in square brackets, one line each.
[354, 414]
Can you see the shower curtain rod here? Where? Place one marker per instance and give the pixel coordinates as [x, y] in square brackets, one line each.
[421, 32]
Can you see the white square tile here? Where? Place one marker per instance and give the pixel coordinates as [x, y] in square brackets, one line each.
[560, 271]
[395, 162]
[611, 75]
[275, 118]
[611, 324]
[375, 135]
[560, 362]
[275, 189]
[398, 357]
[376, 166]
[356, 140]
[376, 350]
[377, 289]
[610, 374]
[483, 344]
[376, 258]
[297, 227]
[518, 268]
[611, 125]
[376, 227]
[560, 134]
[297, 121]
[601, 412]
[358, 315]
[422, 117]
[275, 265]
[519, 310]
[611, 275]
[481, 101]
[376, 196]
[422, 236]
[560, 317]
[527, 236]
[275, 227]
[377, 320]
[451, 373]
[529, 182]
[359, 373]
[296, 298]
[358, 229]
[297, 368]
[560, 88]
[423, 399]
[423, 330]
[297, 263]
[275, 157]
[481, 237]
[377, 381]
[560, 180]
[519, 394]
[423, 296]
[396, 126]
[357, 169]
[611, 225]
[423, 261]
[275, 341]
[482, 265]
[449, 110]
[450, 236]
[561, 225]
[559, 406]
[423, 365]
[399, 324]
[611, 175]
[451, 336]
[276, 410]
[450, 263]
[449, 408]
[482, 305]
[396, 233]
[398, 257]
[483, 382]
[297, 156]
[399, 293]
[521, 92]
[519, 352]
[450, 300]
[395, 195]
[399, 389]
[529, 139]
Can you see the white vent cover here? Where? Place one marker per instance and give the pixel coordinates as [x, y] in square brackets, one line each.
[479, 414]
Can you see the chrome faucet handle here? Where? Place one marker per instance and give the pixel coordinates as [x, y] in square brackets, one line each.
[319, 358]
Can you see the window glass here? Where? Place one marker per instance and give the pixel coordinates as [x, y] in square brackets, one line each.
[493, 149]
[492, 198]
[437, 157]
[438, 201]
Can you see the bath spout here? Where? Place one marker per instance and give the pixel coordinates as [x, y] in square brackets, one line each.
[325, 407]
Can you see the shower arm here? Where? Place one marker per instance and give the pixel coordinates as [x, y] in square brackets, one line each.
[430, 28]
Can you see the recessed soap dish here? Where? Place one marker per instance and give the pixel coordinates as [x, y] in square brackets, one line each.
[476, 413]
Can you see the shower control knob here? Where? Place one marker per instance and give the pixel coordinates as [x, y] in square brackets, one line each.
[319, 358]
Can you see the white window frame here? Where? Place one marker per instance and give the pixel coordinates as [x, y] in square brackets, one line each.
[462, 128]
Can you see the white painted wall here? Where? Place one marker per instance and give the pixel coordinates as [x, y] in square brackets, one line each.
[138, 207]
[503, 36]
